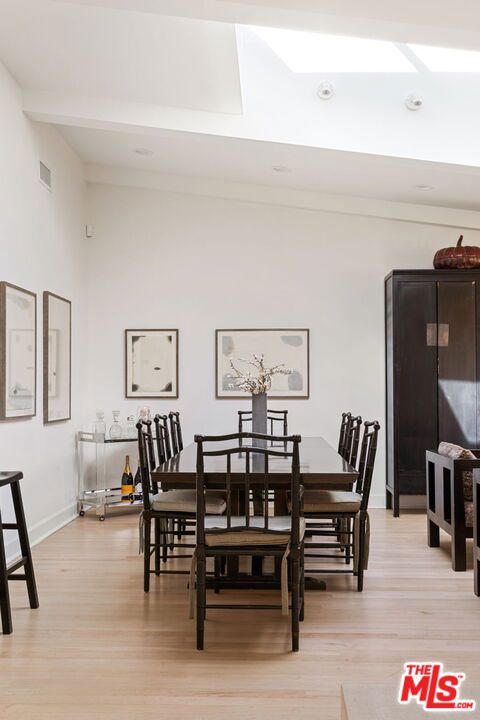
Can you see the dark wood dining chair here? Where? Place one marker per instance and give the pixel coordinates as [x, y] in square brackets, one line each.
[164, 510]
[352, 440]
[237, 533]
[277, 420]
[175, 432]
[162, 438]
[342, 438]
[350, 507]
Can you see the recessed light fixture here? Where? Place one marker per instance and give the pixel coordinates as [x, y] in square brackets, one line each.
[143, 151]
[414, 101]
[423, 186]
[325, 90]
[281, 169]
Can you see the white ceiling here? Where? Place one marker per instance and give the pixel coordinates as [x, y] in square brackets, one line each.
[167, 75]
[311, 169]
[104, 53]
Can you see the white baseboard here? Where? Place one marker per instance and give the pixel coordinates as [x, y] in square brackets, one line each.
[42, 530]
[377, 501]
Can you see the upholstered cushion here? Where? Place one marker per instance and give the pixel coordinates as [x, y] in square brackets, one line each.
[456, 452]
[469, 514]
[186, 501]
[279, 530]
[331, 501]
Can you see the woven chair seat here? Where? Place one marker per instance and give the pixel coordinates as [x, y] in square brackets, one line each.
[185, 501]
[278, 533]
[331, 501]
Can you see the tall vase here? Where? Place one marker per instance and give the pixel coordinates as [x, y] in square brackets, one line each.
[259, 413]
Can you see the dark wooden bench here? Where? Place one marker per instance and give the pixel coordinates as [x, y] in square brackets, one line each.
[476, 530]
[446, 503]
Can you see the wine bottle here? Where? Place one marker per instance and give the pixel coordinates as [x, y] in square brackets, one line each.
[127, 480]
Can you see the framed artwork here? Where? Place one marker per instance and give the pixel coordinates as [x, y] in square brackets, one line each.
[57, 358]
[18, 352]
[290, 347]
[151, 363]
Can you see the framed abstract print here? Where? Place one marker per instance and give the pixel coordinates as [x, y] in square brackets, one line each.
[151, 363]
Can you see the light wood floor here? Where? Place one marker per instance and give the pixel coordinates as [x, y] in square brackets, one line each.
[99, 648]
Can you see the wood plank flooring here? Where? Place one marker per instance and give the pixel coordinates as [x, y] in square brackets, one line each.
[98, 648]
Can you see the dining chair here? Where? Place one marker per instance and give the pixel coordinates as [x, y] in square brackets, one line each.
[237, 533]
[163, 510]
[343, 432]
[274, 418]
[175, 432]
[351, 508]
[352, 439]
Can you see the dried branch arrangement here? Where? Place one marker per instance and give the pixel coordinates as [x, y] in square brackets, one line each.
[259, 381]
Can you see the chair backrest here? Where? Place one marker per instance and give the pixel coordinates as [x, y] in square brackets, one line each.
[274, 417]
[343, 432]
[162, 438]
[350, 451]
[175, 432]
[145, 441]
[251, 469]
[367, 460]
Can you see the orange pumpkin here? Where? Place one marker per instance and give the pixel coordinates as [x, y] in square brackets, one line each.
[457, 257]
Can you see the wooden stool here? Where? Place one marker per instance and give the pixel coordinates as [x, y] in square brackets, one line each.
[6, 574]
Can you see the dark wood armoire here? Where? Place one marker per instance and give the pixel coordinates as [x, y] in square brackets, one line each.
[432, 328]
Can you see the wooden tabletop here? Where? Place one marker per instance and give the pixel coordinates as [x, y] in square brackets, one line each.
[320, 465]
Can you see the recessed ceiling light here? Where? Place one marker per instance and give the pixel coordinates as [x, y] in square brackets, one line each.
[281, 169]
[143, 151]
[422, 186]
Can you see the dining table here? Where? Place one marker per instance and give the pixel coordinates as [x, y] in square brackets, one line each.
[321, 468]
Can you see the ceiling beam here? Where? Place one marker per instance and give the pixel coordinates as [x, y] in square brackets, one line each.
[434, 22]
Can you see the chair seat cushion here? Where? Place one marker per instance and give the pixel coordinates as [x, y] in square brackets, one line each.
[457, 452]
[279, 531]
[331, 501]
[185, 501]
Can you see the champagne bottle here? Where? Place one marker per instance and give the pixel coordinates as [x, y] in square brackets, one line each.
[127, 480]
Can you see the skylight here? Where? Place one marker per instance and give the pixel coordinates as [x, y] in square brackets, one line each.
[315, 52]
[440, 59]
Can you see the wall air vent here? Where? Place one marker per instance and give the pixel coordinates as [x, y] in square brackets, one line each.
[45, 175]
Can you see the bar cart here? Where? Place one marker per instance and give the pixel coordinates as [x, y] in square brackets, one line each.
[97, 487]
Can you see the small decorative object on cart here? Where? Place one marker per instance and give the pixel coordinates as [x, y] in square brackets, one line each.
[258, 384]
[144, 413]
[130, 429]
[99, 427]
[457, 257]
[115, 431]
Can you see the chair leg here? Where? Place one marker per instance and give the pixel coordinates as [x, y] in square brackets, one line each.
[164, 539]
[302, 585]
[157, 546]
[146, 554]
[459, 551]
[433, 534]
[201, 596]
[294, 567]
[217, 565]
[5, 610]
[24, 545]
[348, 527]
[361, 554]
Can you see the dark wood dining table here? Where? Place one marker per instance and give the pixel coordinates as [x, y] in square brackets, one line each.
[321, 467]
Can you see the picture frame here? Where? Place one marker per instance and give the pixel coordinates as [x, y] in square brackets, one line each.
[18, 352]
[279, 345]
[151, 363]
[57, 358]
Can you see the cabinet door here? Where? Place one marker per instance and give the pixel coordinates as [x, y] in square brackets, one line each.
[416, 381]
[457, 395]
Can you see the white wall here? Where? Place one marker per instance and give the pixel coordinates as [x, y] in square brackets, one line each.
[168, 260]
[42, 248]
